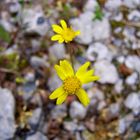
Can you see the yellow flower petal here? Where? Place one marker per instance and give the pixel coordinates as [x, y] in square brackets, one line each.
[61, 40]
[63, 24]
[82, 70]
[60, 72]
[77, 33]
[83, 97]
[66, 66]
[61, 99]
[86, 79]
[58, 92]
[57, 28]
[56, 37]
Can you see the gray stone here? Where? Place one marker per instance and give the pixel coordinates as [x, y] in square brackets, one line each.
[57, 51]
[133, 102]
[37, 62]
[131, 3]
[7, 120]
[124, 123]
[37, 136]
[132, 79]
[94, 52]
[101, 29]
[133, 62]
[90, 5]
[77, 110]
[107, 72]
[34, 21]
[59, 112]
[119, 86]
[134, 16]
[84, 24]
[113, 4]
[54, 82]
[35, 118]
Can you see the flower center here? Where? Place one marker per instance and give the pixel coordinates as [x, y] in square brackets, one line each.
[71, 85]
[68, 34]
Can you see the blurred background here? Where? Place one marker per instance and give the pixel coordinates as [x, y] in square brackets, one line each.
[109, 39]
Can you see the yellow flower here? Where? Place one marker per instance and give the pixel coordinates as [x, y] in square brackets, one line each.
[72, 83]
[64, 33]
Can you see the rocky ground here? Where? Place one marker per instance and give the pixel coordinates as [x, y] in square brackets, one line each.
[110, 39]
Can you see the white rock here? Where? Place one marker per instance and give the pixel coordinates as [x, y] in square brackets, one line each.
[77, 110]
[84, 24]
[96, 93]
[101, 29]
[14, 7]
[58, 51]
[5, 21]
[131, 3]
[133, 102]
[121, 59]
[37, 136]
[35, 118]
[37, 62]
[132, 79]
[33, 21]
[114, 109]
[106, 71]
[113, 4]
[133, 62]
[101, 105]
[7, 120]
[119, 86]
[91, 5]
[70, 126]
[91, 30]
[54, 82]
[94, 52]
[30, 76]
[124, 123]
[134, 16]
[59, 112]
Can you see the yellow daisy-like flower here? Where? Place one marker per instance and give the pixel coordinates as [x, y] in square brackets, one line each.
[64, 33]
[72, 83]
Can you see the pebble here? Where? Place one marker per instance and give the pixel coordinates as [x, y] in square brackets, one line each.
[57, 51]
[136, 126]
[37, 136]
[107, 72]
[131, 3]
[113, 4]
[34, 21]
[101, 29]
[119, 86]
[124, 123]
[35, 118]
[132, 79]
[94, 52]
[59, 112]
[90, 5]
[133, 102]
[84, 24]
[133, 62]
[37, 62]
[7, 110]
[134, 16]
[77, 111]
[54, 82]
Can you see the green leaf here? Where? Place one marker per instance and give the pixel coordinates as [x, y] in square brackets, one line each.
[98, 13]
[4, 35]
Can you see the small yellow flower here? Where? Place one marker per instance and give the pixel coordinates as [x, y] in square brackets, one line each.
[72, 83]
[64, 33]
